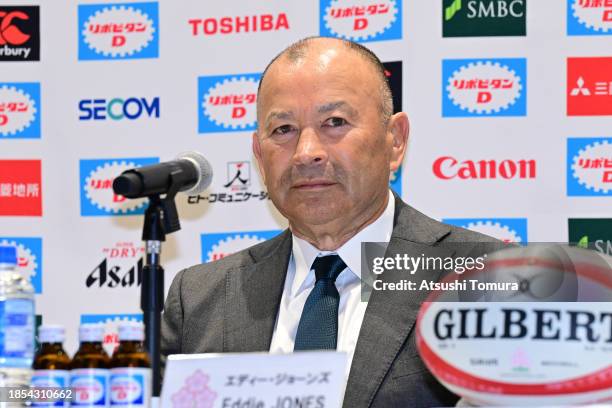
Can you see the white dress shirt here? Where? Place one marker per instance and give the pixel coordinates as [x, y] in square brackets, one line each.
[300, 281]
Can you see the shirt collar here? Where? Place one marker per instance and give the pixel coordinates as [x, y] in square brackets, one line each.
[304, 253]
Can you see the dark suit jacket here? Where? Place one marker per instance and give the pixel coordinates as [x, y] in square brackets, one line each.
[231, 306]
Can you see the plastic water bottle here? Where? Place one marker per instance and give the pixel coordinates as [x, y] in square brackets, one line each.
[51, 363]
[130, 383]
[16, 322]
[90, 369]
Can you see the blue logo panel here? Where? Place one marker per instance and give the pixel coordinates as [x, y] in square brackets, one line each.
[484, 87]
[96, 186]
[218, 245]
[505, 229]
[20, 110]
[227, 103]
[106, 318]
[588, 20]
[29, 258]
[118, 31]
[375, 21]
[396, 181]
[589, 166]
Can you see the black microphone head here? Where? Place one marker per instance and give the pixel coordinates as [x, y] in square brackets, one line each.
[203, 168]
[128, 184]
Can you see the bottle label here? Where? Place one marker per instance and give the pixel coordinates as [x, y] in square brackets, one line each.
[17, 334]
[89, 386]
[130, 387]
[56, 379]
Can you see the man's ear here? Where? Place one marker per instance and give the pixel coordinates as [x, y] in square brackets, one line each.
[257, 153]
[398, 127]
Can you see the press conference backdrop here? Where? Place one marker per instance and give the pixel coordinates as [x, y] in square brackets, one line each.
[510, 104]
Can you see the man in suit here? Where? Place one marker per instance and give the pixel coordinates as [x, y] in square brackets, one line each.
[326, 143]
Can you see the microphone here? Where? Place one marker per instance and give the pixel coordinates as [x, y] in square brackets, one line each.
[190, 171]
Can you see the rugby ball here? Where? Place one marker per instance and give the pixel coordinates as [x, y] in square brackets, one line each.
[532, 348]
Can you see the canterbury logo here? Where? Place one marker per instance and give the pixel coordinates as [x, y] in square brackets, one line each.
[9, 33]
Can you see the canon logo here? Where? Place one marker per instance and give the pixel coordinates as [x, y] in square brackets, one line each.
[447, 168]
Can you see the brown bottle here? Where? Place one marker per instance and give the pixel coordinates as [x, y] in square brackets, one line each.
[90, 368]
[51, 363]
[130, 380]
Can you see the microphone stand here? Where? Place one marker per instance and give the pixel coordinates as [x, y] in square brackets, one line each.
[161, 218]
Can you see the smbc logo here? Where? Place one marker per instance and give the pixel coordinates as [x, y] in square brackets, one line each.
[118, 108]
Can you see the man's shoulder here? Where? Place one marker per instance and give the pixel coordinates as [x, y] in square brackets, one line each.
[234, 262]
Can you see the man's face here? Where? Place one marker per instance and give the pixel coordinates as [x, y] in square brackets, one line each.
[322, 147]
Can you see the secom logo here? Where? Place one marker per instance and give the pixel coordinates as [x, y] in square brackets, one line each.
[227, 103]
[118, 31]
[488, 87]
[589, 166]
[220, 245]
[96, 185]
[361, 20]
[19, 110]
[505, 229]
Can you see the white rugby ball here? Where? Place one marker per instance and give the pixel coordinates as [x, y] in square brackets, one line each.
[525, 353]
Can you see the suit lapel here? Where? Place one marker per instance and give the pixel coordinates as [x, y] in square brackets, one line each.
[391, 315]
[253, 295]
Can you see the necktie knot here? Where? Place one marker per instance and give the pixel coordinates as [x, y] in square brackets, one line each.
[328, 267]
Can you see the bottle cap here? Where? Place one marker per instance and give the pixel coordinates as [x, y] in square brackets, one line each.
[8, 255]
[51, 333]
[91, 332]
[131, 331]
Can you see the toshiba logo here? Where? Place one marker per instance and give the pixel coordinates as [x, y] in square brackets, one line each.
[448, 167]
[238, 24]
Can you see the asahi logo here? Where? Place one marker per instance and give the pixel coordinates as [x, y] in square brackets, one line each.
[238, 24]
[448, 168]
[121, 267]
[475, 18]
[361, 20]
[227, 103]
[118, 31]
[493, 87]
[589, 17]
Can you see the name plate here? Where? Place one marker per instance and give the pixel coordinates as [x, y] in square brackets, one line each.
[255, 380]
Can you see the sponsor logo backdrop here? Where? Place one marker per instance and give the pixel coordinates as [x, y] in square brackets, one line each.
[510, 104]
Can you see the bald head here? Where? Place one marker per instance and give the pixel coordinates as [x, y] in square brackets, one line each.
[318, 46]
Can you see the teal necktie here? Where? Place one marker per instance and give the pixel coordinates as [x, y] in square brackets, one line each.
[318, 327]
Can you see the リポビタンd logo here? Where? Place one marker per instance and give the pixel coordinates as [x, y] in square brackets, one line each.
[96, 186]
[484, 87]
[219, 245]
[589, 17]
[227, 103]
[589, 166]
[19, 110]
[504, 229]
[118, 31]
[361, 20]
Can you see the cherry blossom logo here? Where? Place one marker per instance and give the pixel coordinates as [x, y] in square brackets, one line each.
[195, 393]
